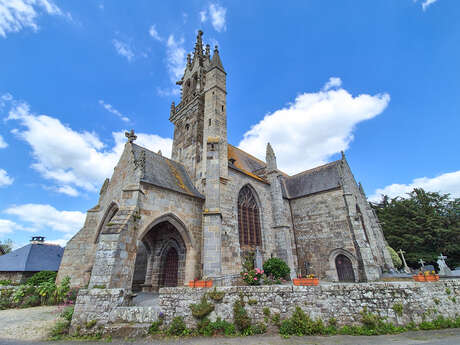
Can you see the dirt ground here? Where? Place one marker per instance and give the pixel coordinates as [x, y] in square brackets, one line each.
[28, 324]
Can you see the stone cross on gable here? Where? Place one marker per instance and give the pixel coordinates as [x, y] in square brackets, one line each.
[442, 257]
[443, 268]
[131, 136]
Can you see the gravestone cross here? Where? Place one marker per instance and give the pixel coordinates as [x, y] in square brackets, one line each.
[406, 268]
[444, 270]
[131, 136]
[422, 263]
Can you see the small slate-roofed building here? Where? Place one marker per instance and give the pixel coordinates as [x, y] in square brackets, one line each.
[20, 264]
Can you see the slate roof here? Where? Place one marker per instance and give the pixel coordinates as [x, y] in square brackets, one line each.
[32, 258]
[163, 172]
[245, 163]
[311, 181]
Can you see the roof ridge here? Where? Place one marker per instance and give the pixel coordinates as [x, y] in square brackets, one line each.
[257, 159]
[316, 168]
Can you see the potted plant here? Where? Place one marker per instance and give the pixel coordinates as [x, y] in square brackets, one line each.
[310, 280]
[200, 283]
[419, 277]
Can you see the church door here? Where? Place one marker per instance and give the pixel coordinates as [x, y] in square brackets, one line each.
[170, 268]
[344, 269]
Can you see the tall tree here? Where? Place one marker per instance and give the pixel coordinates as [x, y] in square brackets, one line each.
[7, 246]
[423, 224]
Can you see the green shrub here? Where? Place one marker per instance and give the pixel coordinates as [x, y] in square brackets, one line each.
[42, 277]
[90, 324]
[5, 282]
[448, 291]
[67, 314]
[252, 302]
[266, 311]
[202, 309]
[177, 327]
[259, 328]
[155, 327]
[215, 295]
[60, 329]
[207, 328]
[301, 324]
[277, 268]
[30, 301]
[240, 317]
[398, 309]
[397, 262]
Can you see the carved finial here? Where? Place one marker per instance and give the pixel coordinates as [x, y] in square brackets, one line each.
[159, 152]
[216, 62]
[361, 189]
[343, 155]
[131, 136]
[199, 44]
[189, 60]
[172, 112]
[270, 158]
[208, 51]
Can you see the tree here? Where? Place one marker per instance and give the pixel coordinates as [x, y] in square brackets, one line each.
[423, 224]
[7, 246]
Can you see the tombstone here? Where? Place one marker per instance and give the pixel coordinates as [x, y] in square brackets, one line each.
[444, 270]
[428, 268]
[258, 259]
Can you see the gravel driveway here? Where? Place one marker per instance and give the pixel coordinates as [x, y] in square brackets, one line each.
[27, 324]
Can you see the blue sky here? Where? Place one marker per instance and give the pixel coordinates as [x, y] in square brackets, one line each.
[375, 78]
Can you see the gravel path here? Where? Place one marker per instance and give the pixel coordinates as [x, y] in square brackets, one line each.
[30, 324]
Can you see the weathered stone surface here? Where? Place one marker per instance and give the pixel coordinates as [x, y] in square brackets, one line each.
[341, 301]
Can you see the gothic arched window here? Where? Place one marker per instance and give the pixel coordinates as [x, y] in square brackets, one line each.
[248, 219]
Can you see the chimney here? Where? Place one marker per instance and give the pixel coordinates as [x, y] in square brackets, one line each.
[37, 240]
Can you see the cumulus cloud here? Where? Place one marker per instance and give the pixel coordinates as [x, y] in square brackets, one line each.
[74, 160]
[111, 109]
[175, 63]
[154, 33]
[427, 3]
[445, 183]
[217, 14]
[5, 180]
[203, 16]
[123, 49]
[7, 226]
[46, 217]
[3, 143]
[307, 132]
[19, 14]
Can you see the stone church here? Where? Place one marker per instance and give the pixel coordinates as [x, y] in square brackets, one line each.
[162, 222]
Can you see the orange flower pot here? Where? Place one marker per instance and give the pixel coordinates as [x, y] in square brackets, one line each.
[419, 278]
[200, 283]
[305, 281]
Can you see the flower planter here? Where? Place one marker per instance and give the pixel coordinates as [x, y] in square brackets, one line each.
[305, 281]
[200, 283]
[427, 278]
[419, 278]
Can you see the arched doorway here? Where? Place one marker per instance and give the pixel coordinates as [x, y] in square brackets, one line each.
[163, 264]
[344, 268]
[170, 268]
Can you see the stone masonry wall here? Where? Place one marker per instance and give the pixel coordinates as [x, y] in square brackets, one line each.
[344, 302]
[320, 223]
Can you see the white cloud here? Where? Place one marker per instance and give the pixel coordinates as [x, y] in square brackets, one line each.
[427, 3]
[46, 217]
[111, 109]
[16, 15]
[175, 54]
[61, 241]
[123, 49]
[3, 143]
[217, 14]
[203, 16]
[333, 83]
[74, 160]
[316, 126]
[445, 183]
[5, 180]
[154, 33]
[7, 226]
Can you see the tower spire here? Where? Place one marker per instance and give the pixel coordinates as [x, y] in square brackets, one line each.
[216, 62]
[270, 158]
[198, 45]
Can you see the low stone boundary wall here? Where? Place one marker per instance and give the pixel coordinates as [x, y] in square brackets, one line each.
[342, 301]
